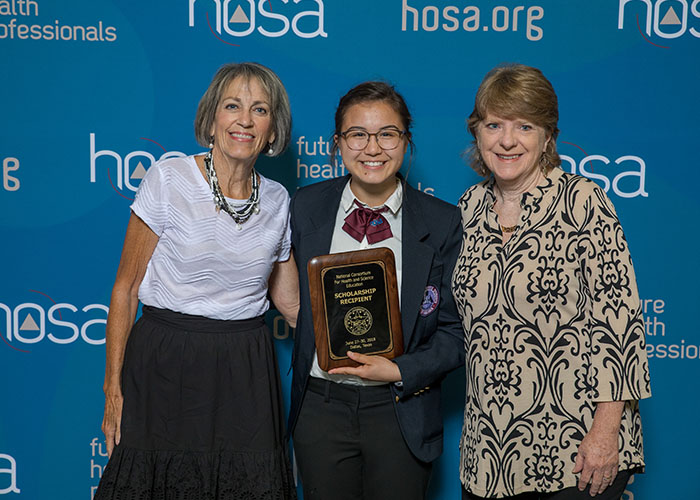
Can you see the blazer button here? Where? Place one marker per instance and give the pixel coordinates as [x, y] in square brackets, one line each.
[397, 399]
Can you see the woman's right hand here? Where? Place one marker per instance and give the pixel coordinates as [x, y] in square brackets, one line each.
[139, 243]
[111, 422]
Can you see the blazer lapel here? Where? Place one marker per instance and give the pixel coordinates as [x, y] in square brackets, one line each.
[316, 230]
[322, 220]
[416, 258]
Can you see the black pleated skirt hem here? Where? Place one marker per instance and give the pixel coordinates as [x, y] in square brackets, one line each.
[134, 474]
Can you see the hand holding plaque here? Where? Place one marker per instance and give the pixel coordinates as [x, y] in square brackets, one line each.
[355, 306]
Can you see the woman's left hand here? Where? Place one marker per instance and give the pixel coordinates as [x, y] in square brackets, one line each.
[598, 457]
[371, 368]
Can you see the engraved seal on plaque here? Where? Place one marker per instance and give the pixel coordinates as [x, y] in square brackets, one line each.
[358, 320]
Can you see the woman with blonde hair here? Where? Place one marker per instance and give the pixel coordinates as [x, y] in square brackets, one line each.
[556, 360]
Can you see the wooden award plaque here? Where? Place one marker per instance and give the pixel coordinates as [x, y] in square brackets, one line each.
[355, 306]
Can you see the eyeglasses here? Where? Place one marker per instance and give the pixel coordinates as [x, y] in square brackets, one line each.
[387, 138]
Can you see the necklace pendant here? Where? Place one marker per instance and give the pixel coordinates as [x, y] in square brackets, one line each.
[239, 226]
[256, 209]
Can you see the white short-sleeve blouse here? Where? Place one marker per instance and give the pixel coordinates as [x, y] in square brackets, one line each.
[203, 264]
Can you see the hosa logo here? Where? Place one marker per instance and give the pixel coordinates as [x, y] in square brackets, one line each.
[470, 18]
[240, 18]
[62, 323]
[625, 175]
[8, 466]
[668, 18]
[129, 170]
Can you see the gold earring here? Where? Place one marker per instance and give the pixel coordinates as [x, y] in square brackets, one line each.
[544, 165]
[484, 168]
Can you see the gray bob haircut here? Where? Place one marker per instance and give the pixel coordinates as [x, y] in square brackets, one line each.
[281, 115]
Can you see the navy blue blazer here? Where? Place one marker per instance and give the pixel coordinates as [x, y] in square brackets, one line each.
[433, 344]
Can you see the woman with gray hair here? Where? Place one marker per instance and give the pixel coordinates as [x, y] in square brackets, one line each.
[555, 351]
[192, 398]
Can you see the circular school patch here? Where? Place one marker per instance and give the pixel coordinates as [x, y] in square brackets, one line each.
[431, 298]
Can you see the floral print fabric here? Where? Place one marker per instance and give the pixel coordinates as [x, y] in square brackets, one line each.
[553, 325]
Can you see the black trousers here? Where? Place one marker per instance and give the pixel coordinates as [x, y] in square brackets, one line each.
[612, 492]
[348, 446]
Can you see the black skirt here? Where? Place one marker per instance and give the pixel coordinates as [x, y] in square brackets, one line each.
[202, 416]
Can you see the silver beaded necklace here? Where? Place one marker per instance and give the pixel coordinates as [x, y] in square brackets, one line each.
[239, 213]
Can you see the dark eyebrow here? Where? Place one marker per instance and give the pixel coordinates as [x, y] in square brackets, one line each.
[393, 127]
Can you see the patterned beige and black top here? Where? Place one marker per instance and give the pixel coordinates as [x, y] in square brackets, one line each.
[553, 325]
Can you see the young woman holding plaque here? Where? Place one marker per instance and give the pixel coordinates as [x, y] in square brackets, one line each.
[372, 431]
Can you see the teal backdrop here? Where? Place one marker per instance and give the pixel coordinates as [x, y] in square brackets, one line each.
[95, 91]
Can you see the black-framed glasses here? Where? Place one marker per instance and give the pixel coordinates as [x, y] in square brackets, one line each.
[387, 138]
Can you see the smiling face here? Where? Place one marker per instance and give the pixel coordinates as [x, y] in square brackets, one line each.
[511, 148]
[373, 169]
[242, 126]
